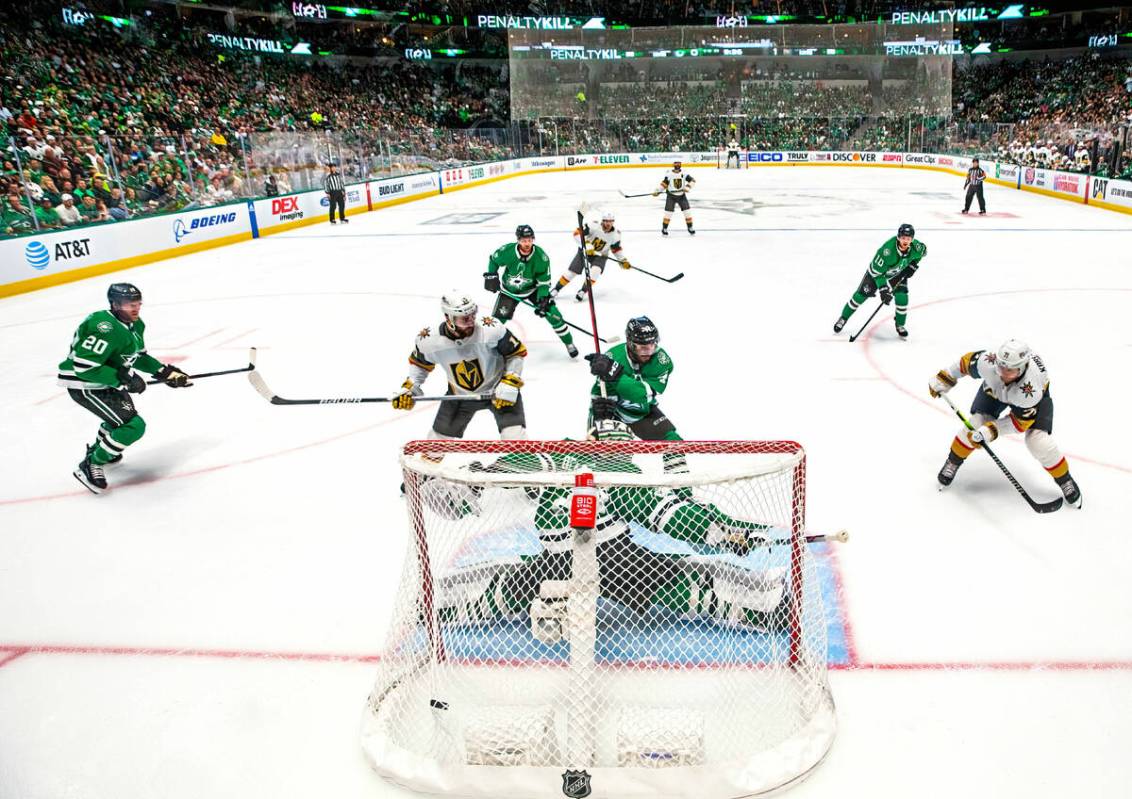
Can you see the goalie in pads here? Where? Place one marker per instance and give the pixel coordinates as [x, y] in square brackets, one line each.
[631, 574]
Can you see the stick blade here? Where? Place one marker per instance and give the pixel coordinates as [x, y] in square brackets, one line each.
[261, 387]
[1047, 507]
[674, 279]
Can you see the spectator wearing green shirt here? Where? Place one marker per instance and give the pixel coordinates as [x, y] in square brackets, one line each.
[46, 217]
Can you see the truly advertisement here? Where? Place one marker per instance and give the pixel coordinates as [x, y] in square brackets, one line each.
[798, 158]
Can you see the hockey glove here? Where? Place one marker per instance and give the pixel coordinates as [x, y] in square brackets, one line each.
[604, 368]
[625, 264]
[491, 282]
[656, 193]
[403, 400]
[886, 295]
[543, 305]
[173, 377]
[507, 391]
[590, 252]
[131, 381]
[603, 408]
[987, 433]
[941, 383]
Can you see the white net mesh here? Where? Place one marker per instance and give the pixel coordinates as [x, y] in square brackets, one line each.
[677, 649]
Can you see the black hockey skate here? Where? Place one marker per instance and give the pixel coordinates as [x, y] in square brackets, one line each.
[839, 324]
[570, 348]
[581, 295]
[664, 231]
[692, 231]
[91, 476]
[950, 467]
[1070, 490]
[902, 331]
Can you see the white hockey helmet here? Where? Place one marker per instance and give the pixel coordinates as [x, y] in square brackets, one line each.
[458, 303]
[607, 216]
[1013, 354]
[610, 430]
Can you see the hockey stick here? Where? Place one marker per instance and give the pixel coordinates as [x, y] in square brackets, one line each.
[259, 385]
[589, 288]
[250, 367]
[610, 340]
[857, 335]
[892, 284]
[1040, 507]
[631, 196]
[650, 274]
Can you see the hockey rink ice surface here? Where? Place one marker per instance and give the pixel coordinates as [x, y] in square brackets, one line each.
[211, 626]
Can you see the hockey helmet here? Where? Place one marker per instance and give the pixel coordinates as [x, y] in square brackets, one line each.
[1013, 354]
[119, 293]
[906, 230]
[458, 303]
[641, 330]
[524, 232]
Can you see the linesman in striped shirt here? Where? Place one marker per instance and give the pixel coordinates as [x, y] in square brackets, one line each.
[335, 189]
[974, 186]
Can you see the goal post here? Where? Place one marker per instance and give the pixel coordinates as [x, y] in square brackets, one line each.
[677, 648]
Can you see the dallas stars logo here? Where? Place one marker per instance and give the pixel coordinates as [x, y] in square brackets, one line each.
[518, 281]
[1028, 389]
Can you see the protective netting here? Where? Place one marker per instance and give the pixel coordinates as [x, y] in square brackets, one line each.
[678, 649]
[779, 72]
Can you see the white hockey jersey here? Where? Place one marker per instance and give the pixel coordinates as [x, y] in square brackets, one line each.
[599, 241]
[677, 183]
[473, 364]
[1022, 395]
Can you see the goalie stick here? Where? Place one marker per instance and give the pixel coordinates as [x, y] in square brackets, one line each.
[1040, 507]
[258, 383]
[249, 368]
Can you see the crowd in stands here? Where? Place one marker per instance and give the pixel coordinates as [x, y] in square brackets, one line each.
[100, 127]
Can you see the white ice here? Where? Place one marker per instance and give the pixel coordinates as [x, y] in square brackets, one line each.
[208, 627]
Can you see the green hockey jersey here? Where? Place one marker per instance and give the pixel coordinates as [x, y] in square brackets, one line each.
[521, 276]
[637, 389]
[890, 262]
[104, 349]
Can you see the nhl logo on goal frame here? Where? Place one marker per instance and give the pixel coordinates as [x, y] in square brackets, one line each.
[576, 784]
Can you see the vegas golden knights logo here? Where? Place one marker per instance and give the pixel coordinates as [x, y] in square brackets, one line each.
[468, 374]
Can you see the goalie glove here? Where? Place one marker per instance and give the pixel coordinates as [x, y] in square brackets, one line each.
[604, 368]
[507, 391]
[886, 295]
[491, 282]
[404, 399]
[941, 383]
[172, 376]
[987, 433]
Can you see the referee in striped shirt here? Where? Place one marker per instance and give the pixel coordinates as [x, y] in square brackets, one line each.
[335, 189]
[974, 186]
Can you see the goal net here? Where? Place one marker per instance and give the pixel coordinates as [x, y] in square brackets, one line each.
[677, 648]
